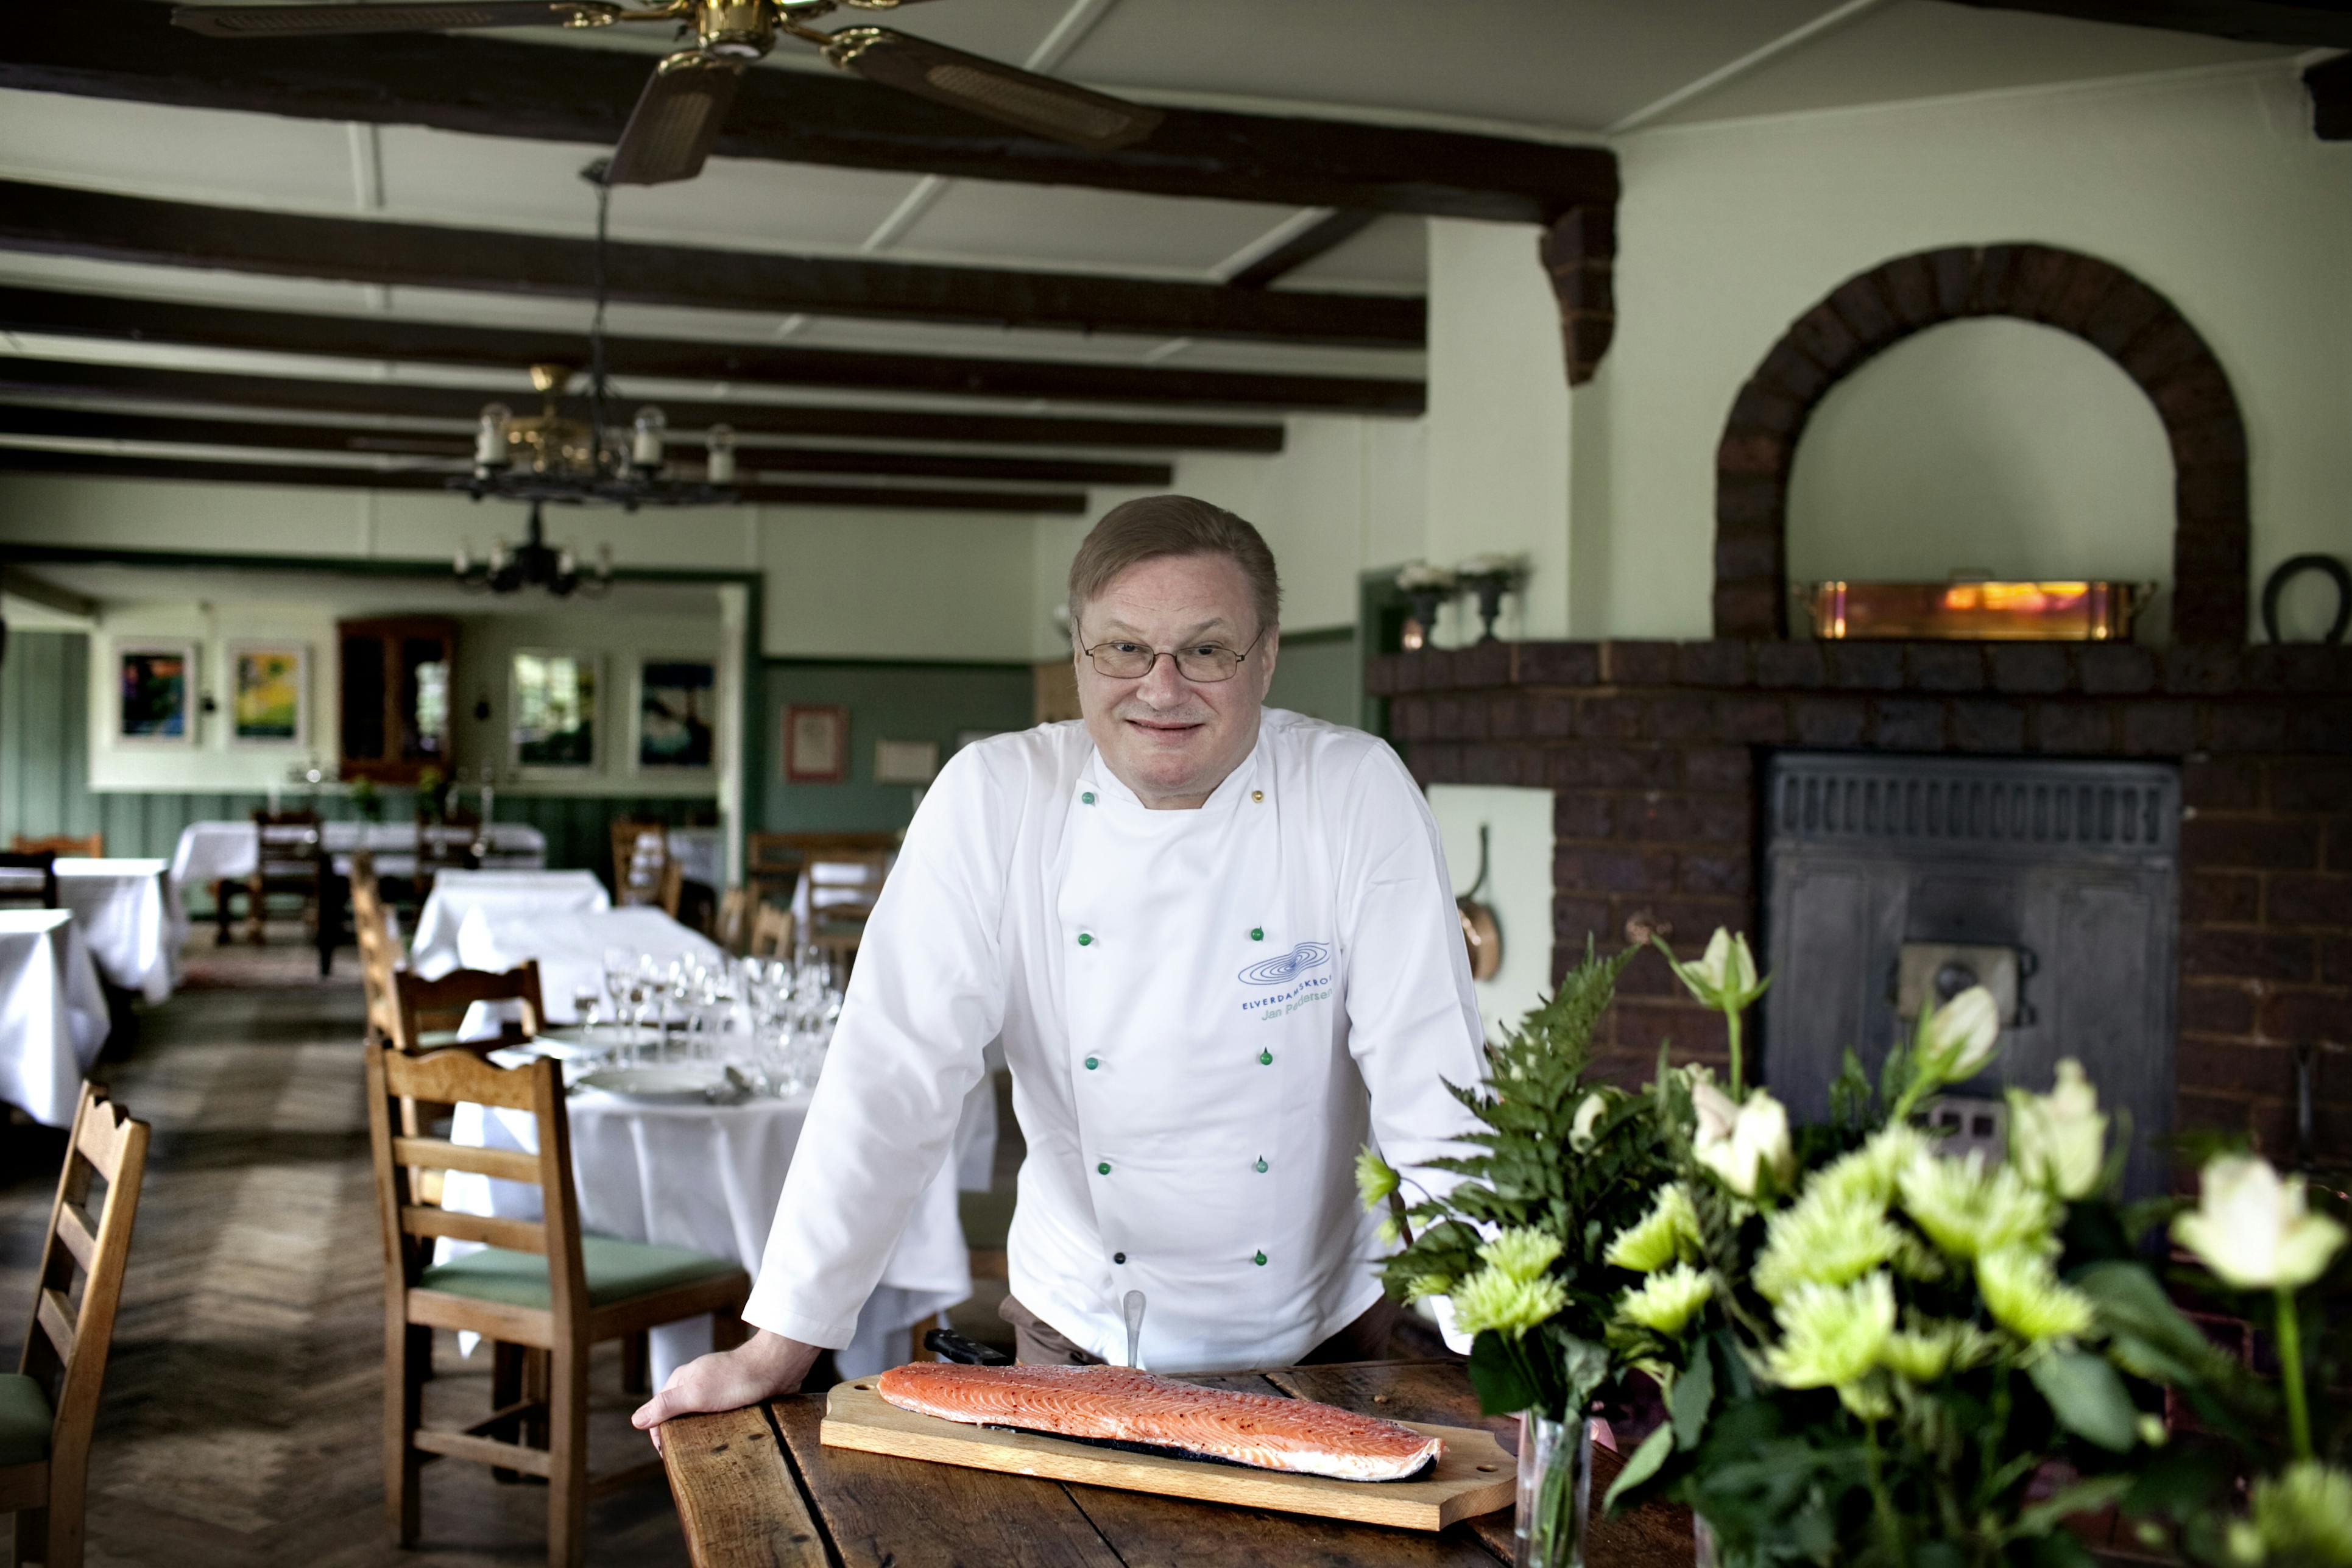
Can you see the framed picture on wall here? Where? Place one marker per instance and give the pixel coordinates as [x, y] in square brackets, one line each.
[906, 761]
[268, 694]
[553, 704]
[816, 744]
[678, 708]
[154, 693]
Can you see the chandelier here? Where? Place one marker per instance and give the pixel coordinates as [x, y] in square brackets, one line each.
[579, 461]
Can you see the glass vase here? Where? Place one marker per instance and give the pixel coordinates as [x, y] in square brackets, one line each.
[1555, 1488]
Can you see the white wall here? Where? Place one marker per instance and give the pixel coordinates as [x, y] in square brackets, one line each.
[211, 760]
[2211, 189]
[1517, 889]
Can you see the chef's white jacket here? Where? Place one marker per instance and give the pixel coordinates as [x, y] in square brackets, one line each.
[1205, 1015]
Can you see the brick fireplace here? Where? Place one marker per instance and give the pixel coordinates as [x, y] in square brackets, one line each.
[1654, 754]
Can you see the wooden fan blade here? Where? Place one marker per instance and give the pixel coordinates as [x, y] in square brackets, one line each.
[309, 21]
[1024, 100]
[675, 120]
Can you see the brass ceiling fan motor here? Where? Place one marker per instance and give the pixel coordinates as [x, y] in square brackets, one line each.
[678, 117]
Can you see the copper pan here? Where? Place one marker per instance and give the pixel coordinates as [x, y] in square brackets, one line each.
[1479, 932]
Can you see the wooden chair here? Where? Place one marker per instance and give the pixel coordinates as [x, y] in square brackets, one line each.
[379, 954]
[641, 861]
[425, 1013]
[670, 891]
[771, 933]
[286, 861]
[537, 1284]
[731, 928]
[772, 866]
[837, 923]
[49, 1404]
[65, 846]
[29, 879]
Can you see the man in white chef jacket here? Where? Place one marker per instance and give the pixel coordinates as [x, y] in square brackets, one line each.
[1218, 945]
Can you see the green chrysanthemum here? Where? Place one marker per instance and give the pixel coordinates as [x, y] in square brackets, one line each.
[2304, 1514]
[1831, 1334]
[1927, 1354]
[1668, 1232]
[1970, 1212]
[1522, 1254]
[2021, 1291]
[1830, 1236]
[1389, 1231]
[1491, 1299]
[1666, 1301]
[1376, 1179]
[1869, 1173]
[1422, 1285]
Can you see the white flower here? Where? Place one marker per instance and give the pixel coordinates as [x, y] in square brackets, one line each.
[2252, 1230]
[1739, 1145]
[1488, 566]
[1421, 575]
[1580, 1136]
[2059, 1140]
[1957, 1038]
[1725, 975]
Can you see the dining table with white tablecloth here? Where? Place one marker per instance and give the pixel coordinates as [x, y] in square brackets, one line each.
[532, 895]
[568, 945]
[213, 851]
[707, 1177]
[53, 1015]
[129, 920]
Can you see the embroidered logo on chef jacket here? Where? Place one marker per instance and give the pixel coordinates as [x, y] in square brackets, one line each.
[1292, 971]
[1288, 966]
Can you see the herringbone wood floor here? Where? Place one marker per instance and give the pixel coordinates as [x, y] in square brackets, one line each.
[241, 1419]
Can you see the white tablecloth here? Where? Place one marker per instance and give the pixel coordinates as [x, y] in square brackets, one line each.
[129, 919]
[533, 894]
[570, 945]
[210, 851]
[707, 1177]
[52, 1013]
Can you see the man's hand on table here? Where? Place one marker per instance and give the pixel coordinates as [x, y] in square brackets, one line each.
[762, 1368]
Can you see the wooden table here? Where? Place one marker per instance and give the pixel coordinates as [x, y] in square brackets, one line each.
[754, 1486]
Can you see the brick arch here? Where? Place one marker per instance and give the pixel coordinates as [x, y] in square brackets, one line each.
[2095, 301]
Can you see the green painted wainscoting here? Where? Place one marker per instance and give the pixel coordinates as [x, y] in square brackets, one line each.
[45, 777]
[885, 701]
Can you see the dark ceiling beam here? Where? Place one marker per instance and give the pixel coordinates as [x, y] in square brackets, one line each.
[126, 49]
[2305, 24]
[511, 348]
[57, 220]
[35, 460]
[2330, 85]
[1308, 244]
[43, 377]
[107, 425]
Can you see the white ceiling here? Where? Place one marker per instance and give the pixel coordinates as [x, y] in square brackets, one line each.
[1560, 69]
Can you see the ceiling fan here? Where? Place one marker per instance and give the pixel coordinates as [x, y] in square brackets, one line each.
[678, 117]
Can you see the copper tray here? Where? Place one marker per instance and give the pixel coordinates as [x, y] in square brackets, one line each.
[1976, 611]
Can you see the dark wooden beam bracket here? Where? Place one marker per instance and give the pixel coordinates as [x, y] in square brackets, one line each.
[126, 49]
[1579, 254]
[57, 220]
[2330, 85]
[46, 378]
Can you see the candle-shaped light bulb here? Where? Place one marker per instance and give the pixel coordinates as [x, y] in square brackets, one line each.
[490, 440]
[500, 554]
[465, 559]
[722, 455]
[604, 562]
[645, 444]
[565, 562]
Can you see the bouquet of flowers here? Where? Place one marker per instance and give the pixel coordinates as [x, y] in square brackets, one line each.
[1873, 1352]
[1516, 1247]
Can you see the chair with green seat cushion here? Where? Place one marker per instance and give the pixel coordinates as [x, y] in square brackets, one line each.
[616, 1270]
[25, 1419]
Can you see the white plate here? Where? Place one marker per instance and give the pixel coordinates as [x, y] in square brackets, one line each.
[681, 1084]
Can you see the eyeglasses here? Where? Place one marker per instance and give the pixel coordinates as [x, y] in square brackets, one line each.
[1202, 664]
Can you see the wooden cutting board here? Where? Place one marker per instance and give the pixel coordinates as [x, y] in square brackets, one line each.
[1474, 1475]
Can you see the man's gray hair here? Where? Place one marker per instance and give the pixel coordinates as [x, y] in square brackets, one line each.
[1152, 527]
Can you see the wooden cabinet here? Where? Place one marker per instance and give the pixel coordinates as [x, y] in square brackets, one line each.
[399, 677]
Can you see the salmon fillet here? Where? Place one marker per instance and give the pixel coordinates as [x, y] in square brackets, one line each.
[1115, 1405]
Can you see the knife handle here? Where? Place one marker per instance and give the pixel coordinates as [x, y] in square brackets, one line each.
[970, 1352]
